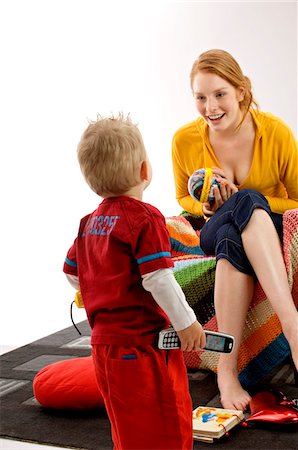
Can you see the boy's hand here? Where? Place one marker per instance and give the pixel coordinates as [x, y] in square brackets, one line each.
[192, 337]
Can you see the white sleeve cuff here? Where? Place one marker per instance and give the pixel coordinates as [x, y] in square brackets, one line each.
[74, 281]
[169, 296]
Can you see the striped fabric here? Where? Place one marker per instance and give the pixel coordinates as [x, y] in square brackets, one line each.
[263, 346]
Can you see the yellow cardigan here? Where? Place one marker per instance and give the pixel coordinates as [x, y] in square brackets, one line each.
[274, 169]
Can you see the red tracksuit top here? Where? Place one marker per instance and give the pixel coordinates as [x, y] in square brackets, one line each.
[121, 240]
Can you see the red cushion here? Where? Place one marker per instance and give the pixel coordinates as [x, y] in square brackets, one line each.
[69, 384]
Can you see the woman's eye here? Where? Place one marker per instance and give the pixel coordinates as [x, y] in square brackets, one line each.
[220, 94]
[200, 97]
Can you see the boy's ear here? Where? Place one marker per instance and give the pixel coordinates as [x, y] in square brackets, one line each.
[144, 171]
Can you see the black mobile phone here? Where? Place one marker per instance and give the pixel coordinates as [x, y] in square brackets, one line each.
[215, 341]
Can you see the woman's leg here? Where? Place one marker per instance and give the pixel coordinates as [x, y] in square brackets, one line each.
[246, 213]
[263, 249]
[231, 306]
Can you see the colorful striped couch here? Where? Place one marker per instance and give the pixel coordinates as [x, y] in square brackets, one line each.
[263, 346]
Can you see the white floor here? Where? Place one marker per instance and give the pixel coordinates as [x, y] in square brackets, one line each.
[6, 349]
[9, 444]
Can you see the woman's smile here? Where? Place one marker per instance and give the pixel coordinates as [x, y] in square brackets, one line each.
[216, 118]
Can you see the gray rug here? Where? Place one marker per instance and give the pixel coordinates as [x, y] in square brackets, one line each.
[22, 418]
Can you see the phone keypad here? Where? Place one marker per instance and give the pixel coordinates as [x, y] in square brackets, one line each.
[171, 339]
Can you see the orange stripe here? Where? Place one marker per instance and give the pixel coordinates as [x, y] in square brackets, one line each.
[188, 257]
[185, 238]
[180, 226]
[249, 348]
[258, 340]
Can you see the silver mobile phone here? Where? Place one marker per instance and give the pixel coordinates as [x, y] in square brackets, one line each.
[215, 341]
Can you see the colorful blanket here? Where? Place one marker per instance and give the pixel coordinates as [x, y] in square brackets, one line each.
[263, 345]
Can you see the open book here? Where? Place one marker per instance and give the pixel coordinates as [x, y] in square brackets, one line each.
[212, 423]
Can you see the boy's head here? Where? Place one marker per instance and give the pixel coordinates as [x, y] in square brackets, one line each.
[111, 154]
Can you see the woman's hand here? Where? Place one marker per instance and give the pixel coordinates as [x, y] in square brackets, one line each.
[221, 194]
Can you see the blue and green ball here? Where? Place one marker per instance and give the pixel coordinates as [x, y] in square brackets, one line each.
[201, 185]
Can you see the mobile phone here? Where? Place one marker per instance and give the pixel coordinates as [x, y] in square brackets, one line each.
[215, 341]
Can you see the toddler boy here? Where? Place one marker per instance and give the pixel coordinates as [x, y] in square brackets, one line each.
[121, 263]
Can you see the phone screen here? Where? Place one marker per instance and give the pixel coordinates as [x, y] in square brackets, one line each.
[216, 342]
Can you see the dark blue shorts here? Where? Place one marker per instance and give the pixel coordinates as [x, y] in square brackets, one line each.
[221, 235]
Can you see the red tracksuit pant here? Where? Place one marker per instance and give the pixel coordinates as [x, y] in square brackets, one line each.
[146, 395]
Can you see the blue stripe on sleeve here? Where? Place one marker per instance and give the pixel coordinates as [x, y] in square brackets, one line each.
[70, 263]
[154, 256]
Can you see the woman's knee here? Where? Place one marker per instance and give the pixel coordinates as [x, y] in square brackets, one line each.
[251, 193]
[247, 201]
[229, 246]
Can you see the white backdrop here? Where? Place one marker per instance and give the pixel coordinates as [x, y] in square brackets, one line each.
[64, 61]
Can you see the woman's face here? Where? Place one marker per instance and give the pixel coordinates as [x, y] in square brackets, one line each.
[217, 101]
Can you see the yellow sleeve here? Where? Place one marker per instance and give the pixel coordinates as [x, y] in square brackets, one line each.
[183, 169]
[181, 177]
[190, 152]
[288, 170]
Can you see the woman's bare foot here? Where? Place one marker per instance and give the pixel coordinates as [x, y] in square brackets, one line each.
[232, 395]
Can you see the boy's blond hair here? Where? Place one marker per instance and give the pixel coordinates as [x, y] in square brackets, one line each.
[110, 154]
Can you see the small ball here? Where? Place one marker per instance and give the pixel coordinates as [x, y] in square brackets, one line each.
[202, 190]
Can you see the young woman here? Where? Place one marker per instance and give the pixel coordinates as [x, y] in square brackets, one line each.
[256, 156]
